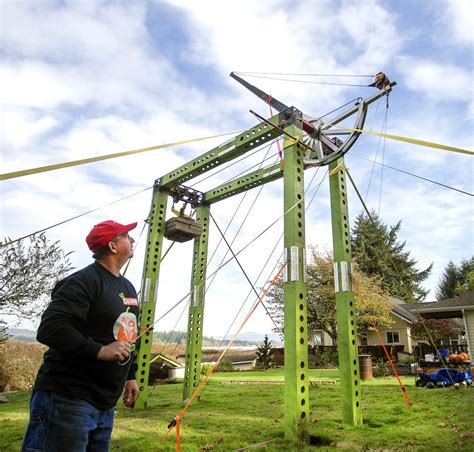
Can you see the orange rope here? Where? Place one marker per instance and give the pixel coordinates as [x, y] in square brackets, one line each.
[178, 444]
[214, 367]
[402, 388]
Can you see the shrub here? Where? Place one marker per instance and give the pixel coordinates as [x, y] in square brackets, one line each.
[327, 358]
[205, 369]
[381, 369]
[225, 366]
[19, 363]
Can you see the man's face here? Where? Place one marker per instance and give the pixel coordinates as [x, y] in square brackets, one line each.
[124, 246]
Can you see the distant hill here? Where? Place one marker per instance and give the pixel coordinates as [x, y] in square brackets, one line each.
[179, 337]
[257, 338]
[22, 334]
[173, 337]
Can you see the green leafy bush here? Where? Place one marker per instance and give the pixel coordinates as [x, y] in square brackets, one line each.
[205, 369]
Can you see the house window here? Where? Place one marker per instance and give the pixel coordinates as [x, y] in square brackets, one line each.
[393, 337]
[319, 338]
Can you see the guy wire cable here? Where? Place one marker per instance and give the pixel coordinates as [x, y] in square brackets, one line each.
[336, 109]
[413, 175]
[174, 328]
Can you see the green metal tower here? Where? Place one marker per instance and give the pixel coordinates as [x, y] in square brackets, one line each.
[347, 344]
[295, 306]
[308, 142]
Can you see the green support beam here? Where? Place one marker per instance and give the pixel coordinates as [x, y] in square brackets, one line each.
[244, 183]
[242, 143]
[192, 372]
[149, 291]
[295, 293]
[345, 302]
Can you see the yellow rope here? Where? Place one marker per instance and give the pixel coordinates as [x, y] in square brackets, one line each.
[43, 169]
[415, 141]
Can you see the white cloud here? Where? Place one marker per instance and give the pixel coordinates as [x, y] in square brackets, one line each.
[460, 20]
[439, 81]
[22, 126]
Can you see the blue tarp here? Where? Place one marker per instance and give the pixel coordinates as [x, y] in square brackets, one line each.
[446, 376]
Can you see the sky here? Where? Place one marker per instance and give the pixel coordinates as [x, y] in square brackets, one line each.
[87, 78]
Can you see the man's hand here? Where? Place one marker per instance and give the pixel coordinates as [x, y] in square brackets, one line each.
[115, 351]
[130, 393]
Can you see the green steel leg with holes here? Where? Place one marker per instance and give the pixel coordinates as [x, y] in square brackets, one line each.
[149, 290]
[345, 302]
[295, 294]
[196, 306]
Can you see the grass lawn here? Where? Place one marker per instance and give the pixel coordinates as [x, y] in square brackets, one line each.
[231, 416]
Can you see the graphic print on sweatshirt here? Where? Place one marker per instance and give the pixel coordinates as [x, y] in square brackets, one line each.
[125, 327]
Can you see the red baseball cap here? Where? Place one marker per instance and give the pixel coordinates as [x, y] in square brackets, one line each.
[103, 233]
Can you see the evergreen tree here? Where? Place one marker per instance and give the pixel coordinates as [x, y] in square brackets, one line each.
[466, 282]
[456, 279]
[448, 281]
[379, 253]
[264, 354]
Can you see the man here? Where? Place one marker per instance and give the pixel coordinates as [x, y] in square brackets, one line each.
[89, 326]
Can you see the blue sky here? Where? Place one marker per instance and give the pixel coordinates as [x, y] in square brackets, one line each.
[89, 78]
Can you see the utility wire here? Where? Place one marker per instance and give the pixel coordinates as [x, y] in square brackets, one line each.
[414, 175]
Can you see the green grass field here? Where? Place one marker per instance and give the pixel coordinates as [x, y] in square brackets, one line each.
[230, 416]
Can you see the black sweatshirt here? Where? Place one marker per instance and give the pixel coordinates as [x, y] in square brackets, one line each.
[88, 309]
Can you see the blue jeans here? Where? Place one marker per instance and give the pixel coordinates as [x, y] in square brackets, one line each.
[59, 423]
